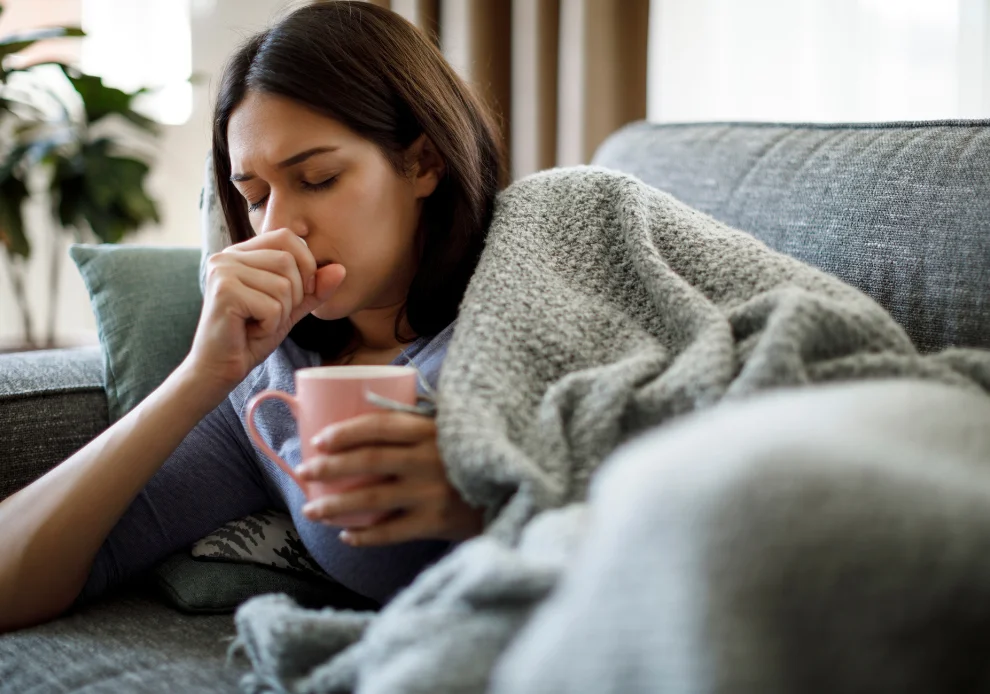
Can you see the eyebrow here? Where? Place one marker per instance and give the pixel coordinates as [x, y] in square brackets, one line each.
[286, 163]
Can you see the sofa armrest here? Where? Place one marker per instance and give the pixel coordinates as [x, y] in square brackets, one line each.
[52, 403]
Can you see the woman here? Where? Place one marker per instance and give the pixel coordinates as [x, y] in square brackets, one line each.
[357, 175]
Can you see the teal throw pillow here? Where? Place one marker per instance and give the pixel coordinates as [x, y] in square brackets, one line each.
[147, 301]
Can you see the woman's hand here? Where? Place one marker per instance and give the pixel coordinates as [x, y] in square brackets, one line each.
[419, 501]
[255, 292]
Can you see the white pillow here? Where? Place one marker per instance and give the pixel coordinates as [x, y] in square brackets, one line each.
[214, 234]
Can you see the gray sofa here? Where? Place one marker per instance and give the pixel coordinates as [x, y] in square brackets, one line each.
[901, 211]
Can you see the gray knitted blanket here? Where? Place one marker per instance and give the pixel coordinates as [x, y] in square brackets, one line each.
[601, 308]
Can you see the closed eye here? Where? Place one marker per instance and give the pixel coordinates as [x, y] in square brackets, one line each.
[312, 187]
[322, 185]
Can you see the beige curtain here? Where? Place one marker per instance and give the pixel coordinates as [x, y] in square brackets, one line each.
[560, 74]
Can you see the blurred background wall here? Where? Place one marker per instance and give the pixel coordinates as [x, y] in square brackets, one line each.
[561, 73]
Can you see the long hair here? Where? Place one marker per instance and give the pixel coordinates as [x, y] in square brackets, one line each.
[377, 74]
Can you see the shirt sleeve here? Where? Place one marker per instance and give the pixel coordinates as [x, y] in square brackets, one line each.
[210, 479]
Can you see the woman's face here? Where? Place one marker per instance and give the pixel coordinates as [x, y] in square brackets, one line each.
[301, 170]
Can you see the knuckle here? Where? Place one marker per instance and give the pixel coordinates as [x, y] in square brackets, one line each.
[223, 283]
[373, 497]
[373, 457]
[273, 309]
[214, 267]
[214, 262]
[318, 466]
[286, 261]
[327, 464]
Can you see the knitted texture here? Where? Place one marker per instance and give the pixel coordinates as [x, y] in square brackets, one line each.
[601, 308]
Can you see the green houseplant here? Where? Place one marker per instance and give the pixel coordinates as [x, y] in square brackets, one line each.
[66, 135]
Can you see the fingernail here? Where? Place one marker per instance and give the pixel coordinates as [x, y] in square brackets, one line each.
[304, 470]
[309, 509]
[322, 439]
[311, 285]
[346, 537]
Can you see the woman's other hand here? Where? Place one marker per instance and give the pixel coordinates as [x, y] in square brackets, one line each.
[419, 501]
[255, 292]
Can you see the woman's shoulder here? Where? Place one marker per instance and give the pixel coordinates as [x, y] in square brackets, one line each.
[570, 177]
[556, 190]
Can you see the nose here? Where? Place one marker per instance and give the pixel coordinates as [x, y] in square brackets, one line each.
[280, 213]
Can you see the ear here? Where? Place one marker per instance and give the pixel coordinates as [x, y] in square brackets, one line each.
[425, 165]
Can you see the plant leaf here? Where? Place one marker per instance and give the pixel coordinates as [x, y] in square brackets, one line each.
[33, 35]
[13, 193]
[14, 43]
[140, 121]
[13, 160]
[100, 101]
[103, 191]
[67, 189]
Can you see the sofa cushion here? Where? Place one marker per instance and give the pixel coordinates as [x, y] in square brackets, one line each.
[899, 210]
[51, 404]
[146, 301]
[128, 643]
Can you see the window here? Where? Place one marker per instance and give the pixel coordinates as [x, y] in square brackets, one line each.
[819, 60]
[146, 43]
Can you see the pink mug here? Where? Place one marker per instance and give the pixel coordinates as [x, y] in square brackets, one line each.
[326, 395]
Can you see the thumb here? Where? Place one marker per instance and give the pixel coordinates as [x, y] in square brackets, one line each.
[328, 279]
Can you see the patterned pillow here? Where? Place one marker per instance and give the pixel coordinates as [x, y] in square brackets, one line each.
[260, 553]
[267, 537]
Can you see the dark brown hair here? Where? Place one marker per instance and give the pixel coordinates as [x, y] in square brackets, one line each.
[373, 71]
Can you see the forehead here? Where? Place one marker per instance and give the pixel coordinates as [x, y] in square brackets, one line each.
[265, 128]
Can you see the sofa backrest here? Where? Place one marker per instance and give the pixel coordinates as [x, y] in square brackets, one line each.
[899, 210]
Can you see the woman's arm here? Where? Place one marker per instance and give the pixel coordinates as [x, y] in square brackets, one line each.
[52, 529]
[212, 478]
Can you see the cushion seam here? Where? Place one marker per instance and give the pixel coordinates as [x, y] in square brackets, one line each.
[65, 390]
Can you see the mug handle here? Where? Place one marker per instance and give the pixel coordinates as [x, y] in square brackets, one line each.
[256, 435]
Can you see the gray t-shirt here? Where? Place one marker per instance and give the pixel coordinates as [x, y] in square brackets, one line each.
[217, 475]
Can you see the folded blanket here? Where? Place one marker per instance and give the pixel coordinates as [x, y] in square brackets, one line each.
[601, 308]
[824, 540]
